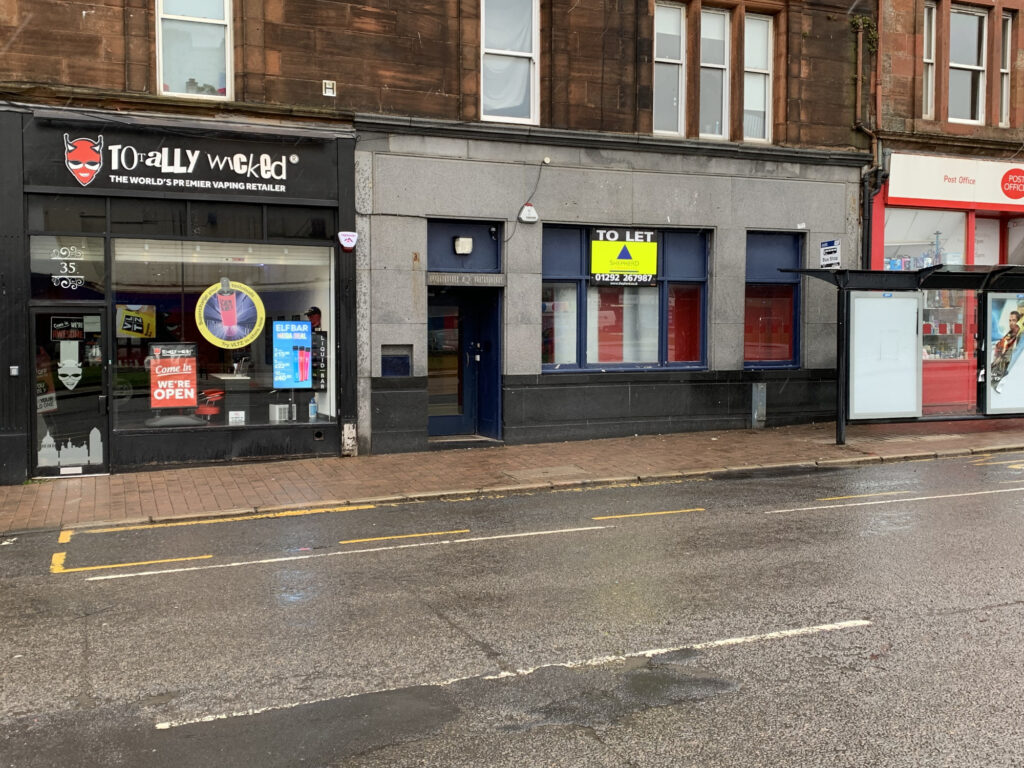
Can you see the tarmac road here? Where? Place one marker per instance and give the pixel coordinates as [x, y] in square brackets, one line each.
[859, 616]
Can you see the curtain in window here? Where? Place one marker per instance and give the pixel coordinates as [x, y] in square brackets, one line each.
[622, 325]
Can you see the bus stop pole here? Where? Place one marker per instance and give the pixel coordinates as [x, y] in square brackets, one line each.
[842, 354]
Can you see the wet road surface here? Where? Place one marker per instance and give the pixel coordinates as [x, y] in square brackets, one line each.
[863, 616]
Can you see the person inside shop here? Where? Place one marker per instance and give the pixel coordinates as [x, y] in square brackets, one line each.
[313, 314]
[1003, 354]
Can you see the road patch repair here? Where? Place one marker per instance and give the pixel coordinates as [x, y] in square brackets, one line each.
[658, 688]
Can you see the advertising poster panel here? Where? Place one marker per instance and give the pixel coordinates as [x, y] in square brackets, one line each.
[293, 354]
[172, 375]
[1004, 376]
[230, 315]
[885, 354]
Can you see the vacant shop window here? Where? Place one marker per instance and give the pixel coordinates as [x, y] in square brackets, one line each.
[669, 83]
[586, 323]
[966, 65]
[508, 68]
[194, 48]
[771, 308]
[714, 73]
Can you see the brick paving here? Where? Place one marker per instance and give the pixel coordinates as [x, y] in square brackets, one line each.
[164, 494]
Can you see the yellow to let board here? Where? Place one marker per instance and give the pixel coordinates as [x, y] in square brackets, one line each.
[617, 257]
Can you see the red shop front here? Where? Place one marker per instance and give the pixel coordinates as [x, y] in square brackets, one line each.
[953, 211]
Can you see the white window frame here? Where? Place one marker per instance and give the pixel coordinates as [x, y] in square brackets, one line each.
[766, 73]
[680, 63]
[928, 80]
[727, 40]
[229, 76]
[533, 56]
[1006, 43]
[983, 54]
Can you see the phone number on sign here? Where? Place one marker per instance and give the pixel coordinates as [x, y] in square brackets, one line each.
[617, 279]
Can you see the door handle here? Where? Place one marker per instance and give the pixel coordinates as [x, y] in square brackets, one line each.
[103, 405]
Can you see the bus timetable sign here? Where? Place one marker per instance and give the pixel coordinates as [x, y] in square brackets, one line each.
[623, 256]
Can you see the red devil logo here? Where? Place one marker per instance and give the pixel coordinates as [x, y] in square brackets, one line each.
[84, 158]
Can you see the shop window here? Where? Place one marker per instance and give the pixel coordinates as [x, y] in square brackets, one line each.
[771, 305]
[559, 317]
[669, 83]
[256, 317]
[966, 65]
[918, 238]
[622, 324]
[584, 324]
[67, 268]
[73, 214]
[194, 49]
[509, 60]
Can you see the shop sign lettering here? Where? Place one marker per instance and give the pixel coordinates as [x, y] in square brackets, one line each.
[172, 376]
[176, 167]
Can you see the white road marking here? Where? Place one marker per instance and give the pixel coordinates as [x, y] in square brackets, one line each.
[893, 501]
[339, 553]
[594, 662]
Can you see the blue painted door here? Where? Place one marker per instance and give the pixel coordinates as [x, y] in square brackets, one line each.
[463, 369]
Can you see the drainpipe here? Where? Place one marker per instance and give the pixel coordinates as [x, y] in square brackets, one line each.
[875, 177]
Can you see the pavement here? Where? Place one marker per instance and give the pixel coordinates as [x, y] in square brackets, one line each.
[274, 486]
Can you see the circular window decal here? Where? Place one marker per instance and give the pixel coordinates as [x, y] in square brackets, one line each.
[230, 315]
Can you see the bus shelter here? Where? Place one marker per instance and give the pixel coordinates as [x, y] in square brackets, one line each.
[936, 343]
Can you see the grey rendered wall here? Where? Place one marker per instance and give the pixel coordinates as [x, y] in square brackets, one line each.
[402, 181]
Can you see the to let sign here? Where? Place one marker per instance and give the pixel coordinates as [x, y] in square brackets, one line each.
[172, 376]
[623, 256]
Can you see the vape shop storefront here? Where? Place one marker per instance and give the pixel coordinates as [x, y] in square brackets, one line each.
[956, 212]
[185, 299]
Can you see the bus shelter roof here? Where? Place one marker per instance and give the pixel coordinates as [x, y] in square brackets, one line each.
[1001, 277]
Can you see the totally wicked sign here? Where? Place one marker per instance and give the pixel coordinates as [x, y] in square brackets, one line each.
[960, 182]
[98, 158]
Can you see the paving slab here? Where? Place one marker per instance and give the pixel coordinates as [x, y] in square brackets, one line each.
[278, 486]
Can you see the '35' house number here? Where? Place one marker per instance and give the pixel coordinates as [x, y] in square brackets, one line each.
[67, 275]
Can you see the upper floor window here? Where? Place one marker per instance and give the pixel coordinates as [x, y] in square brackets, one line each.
[967, 65]
[194, 48]
[757, 78]
[669, 69]
[508, 67]
[714, 73]
[1004, 71]
[928, 84]
[728, 65]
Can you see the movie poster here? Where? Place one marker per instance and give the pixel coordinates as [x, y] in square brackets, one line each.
[1004, 375]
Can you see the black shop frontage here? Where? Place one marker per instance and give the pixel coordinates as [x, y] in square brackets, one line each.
[174, 293]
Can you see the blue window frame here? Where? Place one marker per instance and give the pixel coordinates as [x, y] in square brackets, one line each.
[771, 321]
[623, 327]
